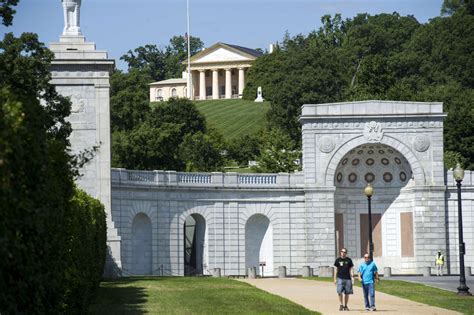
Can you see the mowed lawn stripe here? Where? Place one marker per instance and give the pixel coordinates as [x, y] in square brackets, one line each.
[187, 295]
[234, 118]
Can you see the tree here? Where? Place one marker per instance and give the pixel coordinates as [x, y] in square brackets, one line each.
[165, 63]
[278, 153]
[177, 52]
[148, 59]
[202, 152]
[154, 143]
[129, 99]
[7, 11]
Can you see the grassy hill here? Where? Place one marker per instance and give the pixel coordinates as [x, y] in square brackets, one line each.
[234, 118]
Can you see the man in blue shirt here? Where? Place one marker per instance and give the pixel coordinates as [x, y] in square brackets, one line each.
[367, 274]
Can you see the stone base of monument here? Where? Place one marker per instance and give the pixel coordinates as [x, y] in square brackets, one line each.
[216, 272]
[326, 272]
[282, 272]
[307, 271]
[252, 272]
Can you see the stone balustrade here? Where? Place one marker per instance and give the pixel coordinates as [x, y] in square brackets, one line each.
[214, 179]
[467, 181]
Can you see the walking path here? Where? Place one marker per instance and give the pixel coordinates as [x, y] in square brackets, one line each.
[321, 297]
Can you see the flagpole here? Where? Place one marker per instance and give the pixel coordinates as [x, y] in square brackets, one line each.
[189, 53]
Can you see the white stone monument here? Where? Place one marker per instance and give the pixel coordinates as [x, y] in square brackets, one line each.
[72, 17]
[81, 72]
[259, 98]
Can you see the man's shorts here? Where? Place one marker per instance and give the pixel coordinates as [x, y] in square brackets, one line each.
[344, 286]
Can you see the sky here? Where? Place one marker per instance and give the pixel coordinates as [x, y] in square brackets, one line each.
[119, 25]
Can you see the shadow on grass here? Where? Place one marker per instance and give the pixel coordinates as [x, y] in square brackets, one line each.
[114, 298]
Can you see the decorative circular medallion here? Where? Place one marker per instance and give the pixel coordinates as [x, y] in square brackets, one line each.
[344, 162]
[339, 177]
[355, 162]
[370, 151]
[370, 162]
[360, 151]
[326, 144]
[387, 177]
[385, 161]
[381, 151]
[398, 161]
[421, 143]
[390, 151]
[352, 177]
[369, 177]
[403, 176]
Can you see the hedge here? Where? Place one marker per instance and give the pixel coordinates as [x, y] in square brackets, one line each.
[52, 237]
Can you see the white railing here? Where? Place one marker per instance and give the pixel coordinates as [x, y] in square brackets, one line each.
[255, 179]
[194, 178]
[214, 179]
[140, 176]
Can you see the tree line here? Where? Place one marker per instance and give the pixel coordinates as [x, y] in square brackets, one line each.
[384, 56]
[52, 235]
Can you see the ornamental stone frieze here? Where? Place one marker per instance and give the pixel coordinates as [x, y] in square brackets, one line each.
[220, 66]
[384, 125]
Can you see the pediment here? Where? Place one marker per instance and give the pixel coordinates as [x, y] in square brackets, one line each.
[221, 53]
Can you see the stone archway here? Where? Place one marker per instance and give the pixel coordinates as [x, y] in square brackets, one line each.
[389, 172]
[194, 245]
[259, 244]
[141, 245]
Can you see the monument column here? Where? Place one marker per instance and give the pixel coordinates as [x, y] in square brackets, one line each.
[81, 72]
[215, 84]
[228, 83]
[241, 81]
[202, 84]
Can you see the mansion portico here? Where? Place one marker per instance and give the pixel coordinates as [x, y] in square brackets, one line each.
[216, 72]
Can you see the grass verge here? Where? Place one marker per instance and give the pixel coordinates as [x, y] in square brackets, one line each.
[188, 295]
[422, 294]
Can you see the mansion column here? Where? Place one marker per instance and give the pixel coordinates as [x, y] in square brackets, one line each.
[202, 84]
[241, 81]
[228, 83]
[215, 84]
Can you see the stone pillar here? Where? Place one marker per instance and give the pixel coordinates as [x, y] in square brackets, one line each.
[306, 272]
[281, 272]
[252, 272]
[216, 273]
[215, 84]
[202, 84]
[241, 81]
[387, 272]
[81, 72]
[228, 83]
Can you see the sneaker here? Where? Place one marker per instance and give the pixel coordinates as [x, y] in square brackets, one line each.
[373, 309]
[341, 308]
[367, 309]
[346, 308]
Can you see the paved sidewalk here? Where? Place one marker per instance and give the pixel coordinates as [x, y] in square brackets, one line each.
[321, 297]
[450, 283]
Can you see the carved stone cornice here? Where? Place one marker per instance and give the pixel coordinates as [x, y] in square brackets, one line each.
[354, 125]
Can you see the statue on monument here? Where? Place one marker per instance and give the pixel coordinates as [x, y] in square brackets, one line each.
[71, 17]
[259, 98]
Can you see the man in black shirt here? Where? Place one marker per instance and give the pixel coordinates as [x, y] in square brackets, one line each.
[344, 278]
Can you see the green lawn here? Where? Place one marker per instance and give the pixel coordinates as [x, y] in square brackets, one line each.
[187, 295]
[234, 118]
[421, 293]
